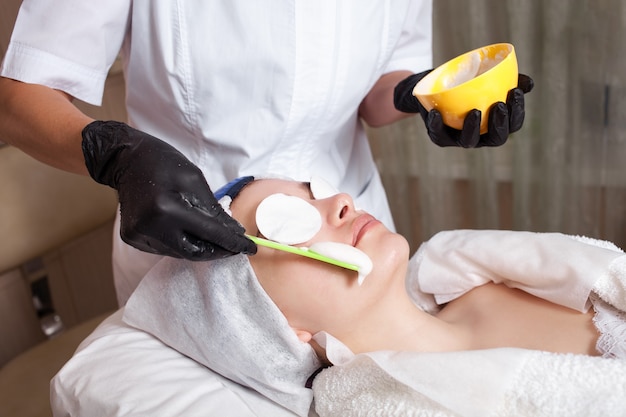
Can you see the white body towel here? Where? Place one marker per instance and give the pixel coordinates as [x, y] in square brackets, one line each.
[494, 382]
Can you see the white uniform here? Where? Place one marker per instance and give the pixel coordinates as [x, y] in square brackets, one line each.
[240, 87]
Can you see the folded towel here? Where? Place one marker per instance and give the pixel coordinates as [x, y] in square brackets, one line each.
[560, 268]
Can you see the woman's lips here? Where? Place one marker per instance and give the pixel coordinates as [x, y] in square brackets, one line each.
[361, 225]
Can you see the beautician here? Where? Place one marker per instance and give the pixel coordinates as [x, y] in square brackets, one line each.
[216, 90]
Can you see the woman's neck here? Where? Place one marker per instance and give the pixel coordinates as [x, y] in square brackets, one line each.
[396, 323]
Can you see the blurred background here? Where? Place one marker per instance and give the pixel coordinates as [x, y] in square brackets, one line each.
[565, 171]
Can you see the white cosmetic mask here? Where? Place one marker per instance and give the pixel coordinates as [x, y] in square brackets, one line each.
[345, 253]
[287, 219]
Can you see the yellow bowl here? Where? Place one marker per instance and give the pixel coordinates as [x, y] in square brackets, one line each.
[474, 80]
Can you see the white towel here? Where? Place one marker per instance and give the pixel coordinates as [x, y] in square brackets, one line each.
[218, 314]
[494, 382]
[556, 267]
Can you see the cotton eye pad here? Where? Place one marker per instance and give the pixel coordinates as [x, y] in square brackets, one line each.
[321, 189]
[287, 219]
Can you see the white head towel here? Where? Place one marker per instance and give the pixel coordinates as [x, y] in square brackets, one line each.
[218, 314]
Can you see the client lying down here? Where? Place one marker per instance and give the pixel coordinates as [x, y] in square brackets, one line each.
[270, 320]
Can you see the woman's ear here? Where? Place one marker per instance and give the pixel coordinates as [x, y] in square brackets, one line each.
[303, 335]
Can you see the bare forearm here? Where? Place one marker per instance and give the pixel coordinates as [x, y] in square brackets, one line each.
[43, 123]
[377, 107]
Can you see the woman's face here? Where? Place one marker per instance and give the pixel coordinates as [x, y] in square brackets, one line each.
[313, 295]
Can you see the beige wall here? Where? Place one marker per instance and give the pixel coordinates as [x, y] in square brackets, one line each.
[43, 207]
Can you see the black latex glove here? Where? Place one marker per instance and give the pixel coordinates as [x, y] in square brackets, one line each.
[166, 205]
[504, 118]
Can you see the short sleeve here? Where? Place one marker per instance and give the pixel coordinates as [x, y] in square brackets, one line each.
[67, 44]
[414, 49]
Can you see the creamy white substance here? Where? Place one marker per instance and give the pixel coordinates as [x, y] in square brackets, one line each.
[345, 253]
[467, 70]
[472, 68]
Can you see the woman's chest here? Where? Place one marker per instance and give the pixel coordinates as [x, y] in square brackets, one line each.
[494, 316]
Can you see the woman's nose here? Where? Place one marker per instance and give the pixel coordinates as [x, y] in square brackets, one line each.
[340, 207]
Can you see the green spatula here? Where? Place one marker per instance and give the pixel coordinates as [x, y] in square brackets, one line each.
[303, 251]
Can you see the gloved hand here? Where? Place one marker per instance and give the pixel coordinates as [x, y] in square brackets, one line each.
[503, 118]
[166, 205]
